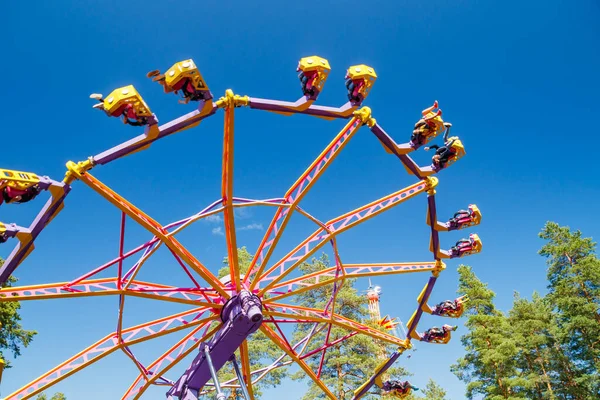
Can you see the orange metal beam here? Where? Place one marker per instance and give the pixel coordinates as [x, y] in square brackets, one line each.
[246, 371]
[301, 363]
[327, 276]
[153, 227]
[103, 287]
[108, 345]
[227, 196]
[336, 226]
[311, 314]
[171, 357]
[293, 196]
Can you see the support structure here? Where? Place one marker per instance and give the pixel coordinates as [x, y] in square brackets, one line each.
[224, 313]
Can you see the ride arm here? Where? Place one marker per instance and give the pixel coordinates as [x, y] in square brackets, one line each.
[280, 107]
[426, 308]
[401, 152]
[314, 66]
[242, 316]
[375, 379]
[304, 105]
[434, 242]
[13, 230]
[474, 247]
[154, 132]
[444, 254]
[26, 237]
[472, 218]
[389, 144]
[422, 300]
[438, 226]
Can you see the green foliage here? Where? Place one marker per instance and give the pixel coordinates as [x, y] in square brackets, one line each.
[544, 348]
[489, 366]
[433, 391]
[56, 396]
[349, 364]
[12, 335]
[532, 323]
[574, 292]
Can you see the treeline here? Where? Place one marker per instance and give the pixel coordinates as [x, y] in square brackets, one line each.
[544, 348]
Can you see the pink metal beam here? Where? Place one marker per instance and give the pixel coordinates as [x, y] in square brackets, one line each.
[335, 226]
[278, 363]
[339, 275]
[113, 262]
[146, 246]
[168, 360]
[323, 351]
[286, 311]
[105, 287]
[316, 351]
[279, 329]
[295, 194]
[186, 269]
[288, 321]
[121, 244]
[328, 276]
[108, 345]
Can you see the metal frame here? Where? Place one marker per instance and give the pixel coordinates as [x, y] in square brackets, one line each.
[207, 298]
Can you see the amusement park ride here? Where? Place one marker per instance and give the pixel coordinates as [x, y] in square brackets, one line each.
[373, 299]
[224, 313]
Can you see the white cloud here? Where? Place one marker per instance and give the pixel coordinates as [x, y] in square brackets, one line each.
[218, 231]
[242, 212]
[214, 218]
[252, 227]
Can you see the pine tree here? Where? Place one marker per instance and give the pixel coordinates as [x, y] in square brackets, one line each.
[533, 323]
[56, 396]
[489, 365]
[12, 335]
[433, 391]
[350, 363]
[574, 289]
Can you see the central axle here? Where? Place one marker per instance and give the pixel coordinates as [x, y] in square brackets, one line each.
[241, 316]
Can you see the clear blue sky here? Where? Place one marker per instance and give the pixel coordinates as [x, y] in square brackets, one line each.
[518, 79]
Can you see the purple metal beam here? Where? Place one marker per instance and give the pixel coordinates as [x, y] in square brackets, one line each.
[151, 245]
[278, 362]
[406, 160]
[277, 200]
[45, 183]
[422, 171]
[241, 316]
[205, 109]
[391, 144]
[51, 208]
[281, 106]
[423, 301]
[328, 345]
[369, 384]
[344, 111]
[11, 230]
[431, 209]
